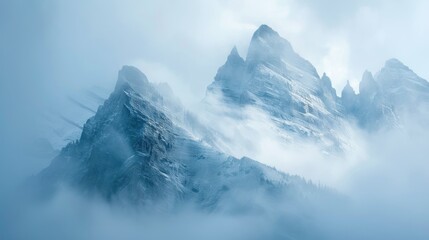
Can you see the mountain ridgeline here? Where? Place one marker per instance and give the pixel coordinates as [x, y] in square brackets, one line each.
[275, 79]
[131, 151]
[143, 147]
[386, 99]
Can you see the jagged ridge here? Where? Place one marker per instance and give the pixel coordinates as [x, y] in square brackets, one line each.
[131, 151]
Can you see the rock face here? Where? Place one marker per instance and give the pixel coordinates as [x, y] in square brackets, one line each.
[287, 87]
[401, 86]
[275, 79]
[131, 151]
[383, 101]
[229, 78]
[349, 98]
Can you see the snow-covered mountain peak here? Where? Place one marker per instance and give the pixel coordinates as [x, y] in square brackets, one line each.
[326, 81]
[229, 80]
[234, 58]
[349, 98]
[348, 90]
[267, 43]
[267, 46]
[401, 86]
[285, 86]
[266, 36]
[329, 94]
[395, 74]
[368, 86]
[384, 100]
[395, 63]
[132, 77]
[234, 53]
[264, 30]
[397, 78]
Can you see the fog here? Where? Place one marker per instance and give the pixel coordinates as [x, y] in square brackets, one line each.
[251, 132]
[50, 50]
[384, 195]
[381, 182]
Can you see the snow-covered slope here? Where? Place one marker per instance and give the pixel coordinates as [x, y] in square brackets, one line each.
[275, 79]
[386, 100]
[131, 151]
[142, 146]
[401, 86]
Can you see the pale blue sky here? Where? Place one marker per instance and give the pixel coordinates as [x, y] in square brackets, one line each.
[70, 44]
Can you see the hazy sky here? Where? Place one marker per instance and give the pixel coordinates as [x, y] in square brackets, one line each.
[78, 43]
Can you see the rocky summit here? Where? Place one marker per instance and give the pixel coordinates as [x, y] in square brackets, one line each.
[303, 105]
[132, 152]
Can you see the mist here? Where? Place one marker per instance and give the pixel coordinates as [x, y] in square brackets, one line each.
[384, 195]
[379, 183]
[53, 51]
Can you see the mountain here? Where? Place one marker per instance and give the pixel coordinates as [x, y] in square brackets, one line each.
[386, 99]
[278, 81]
[143, 147]
[404, 89]
[131, 151]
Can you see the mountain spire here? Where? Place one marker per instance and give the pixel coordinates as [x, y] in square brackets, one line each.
[234, 51]
[349, 98]
[326, 81]
[234, 57]
[367, 86]
[327, 85]
[348, 89]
